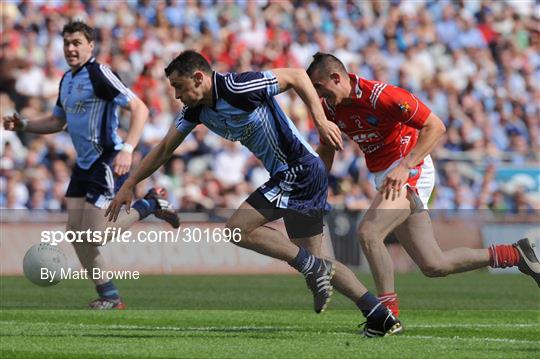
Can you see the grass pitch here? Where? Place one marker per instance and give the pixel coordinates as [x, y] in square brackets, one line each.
[474, 315]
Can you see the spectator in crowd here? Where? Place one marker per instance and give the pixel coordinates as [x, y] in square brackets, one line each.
[476, 64]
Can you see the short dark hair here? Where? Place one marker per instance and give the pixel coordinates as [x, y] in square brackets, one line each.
[327, 63]
[187, 63]
[77, 25]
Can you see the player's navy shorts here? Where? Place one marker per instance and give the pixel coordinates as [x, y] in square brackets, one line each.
[298, 195]
[98, 183]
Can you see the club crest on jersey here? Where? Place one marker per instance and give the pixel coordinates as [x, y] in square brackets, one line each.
[373, 121]
[341, 124]
[404, 107]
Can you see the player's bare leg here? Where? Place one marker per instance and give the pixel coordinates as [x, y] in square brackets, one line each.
[249, 223]
[380, 318]
[318, 272]
[256, 236]
[382, 217]
[417, 238]
[92, 218]
[91, 257]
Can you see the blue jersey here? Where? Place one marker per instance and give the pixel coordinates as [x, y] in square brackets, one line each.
[244, 109]
[88, 100]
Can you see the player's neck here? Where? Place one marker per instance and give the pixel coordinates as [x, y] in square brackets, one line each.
[74, 69]
[349, 99]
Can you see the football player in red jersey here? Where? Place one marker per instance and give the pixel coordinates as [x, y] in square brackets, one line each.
[396, 132]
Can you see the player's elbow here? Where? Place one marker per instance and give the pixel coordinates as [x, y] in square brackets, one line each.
[441, 127]
[139, 108]
[436, 124]
[292, 78]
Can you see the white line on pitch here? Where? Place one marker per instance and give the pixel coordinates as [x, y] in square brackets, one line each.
[473, 339]
[462, 325]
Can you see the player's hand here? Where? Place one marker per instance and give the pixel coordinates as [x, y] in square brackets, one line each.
[13, 123]
[122, 198]
[394, 182]
[331, 135]
[122, 163]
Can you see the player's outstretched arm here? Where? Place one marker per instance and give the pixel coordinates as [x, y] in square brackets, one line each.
[326, 153]
[151, 162]
[139, 114]
[44, 125]
[299, 80]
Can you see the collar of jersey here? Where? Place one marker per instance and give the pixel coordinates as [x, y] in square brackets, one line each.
[215, 94]
[91, 60]
[357, 88]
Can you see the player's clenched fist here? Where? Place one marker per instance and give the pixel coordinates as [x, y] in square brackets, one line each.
[14, 123]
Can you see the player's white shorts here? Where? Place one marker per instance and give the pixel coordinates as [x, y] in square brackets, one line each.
[422, 178]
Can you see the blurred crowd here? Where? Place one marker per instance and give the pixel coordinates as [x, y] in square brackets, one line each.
[476, 64]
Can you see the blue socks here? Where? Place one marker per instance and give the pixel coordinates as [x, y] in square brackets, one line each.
[145, 207]
[108, 290]
[304, 261]
[371, 306]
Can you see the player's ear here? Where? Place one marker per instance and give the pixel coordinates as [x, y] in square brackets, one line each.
[198, 77]
[335, 77]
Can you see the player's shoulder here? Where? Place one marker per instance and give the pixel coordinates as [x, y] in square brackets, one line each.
[189, 113]
[379, 93]
[99, 71]
[242, 82]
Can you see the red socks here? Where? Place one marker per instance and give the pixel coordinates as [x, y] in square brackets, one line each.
[391, 301]
[503, 255]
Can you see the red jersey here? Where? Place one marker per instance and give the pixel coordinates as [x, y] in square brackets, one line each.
[382, 119]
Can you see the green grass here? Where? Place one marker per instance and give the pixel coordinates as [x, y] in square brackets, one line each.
[474, 315]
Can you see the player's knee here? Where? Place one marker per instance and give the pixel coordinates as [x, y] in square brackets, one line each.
[238, 231]
[367, 234]
[434, 269]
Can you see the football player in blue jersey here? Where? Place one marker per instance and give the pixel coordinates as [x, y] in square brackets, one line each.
[241, 107]
[87, 107]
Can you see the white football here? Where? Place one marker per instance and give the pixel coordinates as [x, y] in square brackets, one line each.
[42, 264]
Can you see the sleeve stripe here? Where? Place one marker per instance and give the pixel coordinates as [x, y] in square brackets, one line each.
[246, 83]
[240, 85]
[180, 117]
[116, 82]
[377, 90]
[262, 84]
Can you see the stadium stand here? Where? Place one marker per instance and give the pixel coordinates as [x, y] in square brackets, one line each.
[476, 64]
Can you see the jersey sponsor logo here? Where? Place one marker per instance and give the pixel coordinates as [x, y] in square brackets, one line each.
[78, 108]
[368, 141]
[367, 137]
[247, 131]
[370, 148]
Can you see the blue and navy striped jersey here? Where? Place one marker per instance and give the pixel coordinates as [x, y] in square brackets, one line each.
[244, 109]
[88, 100]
